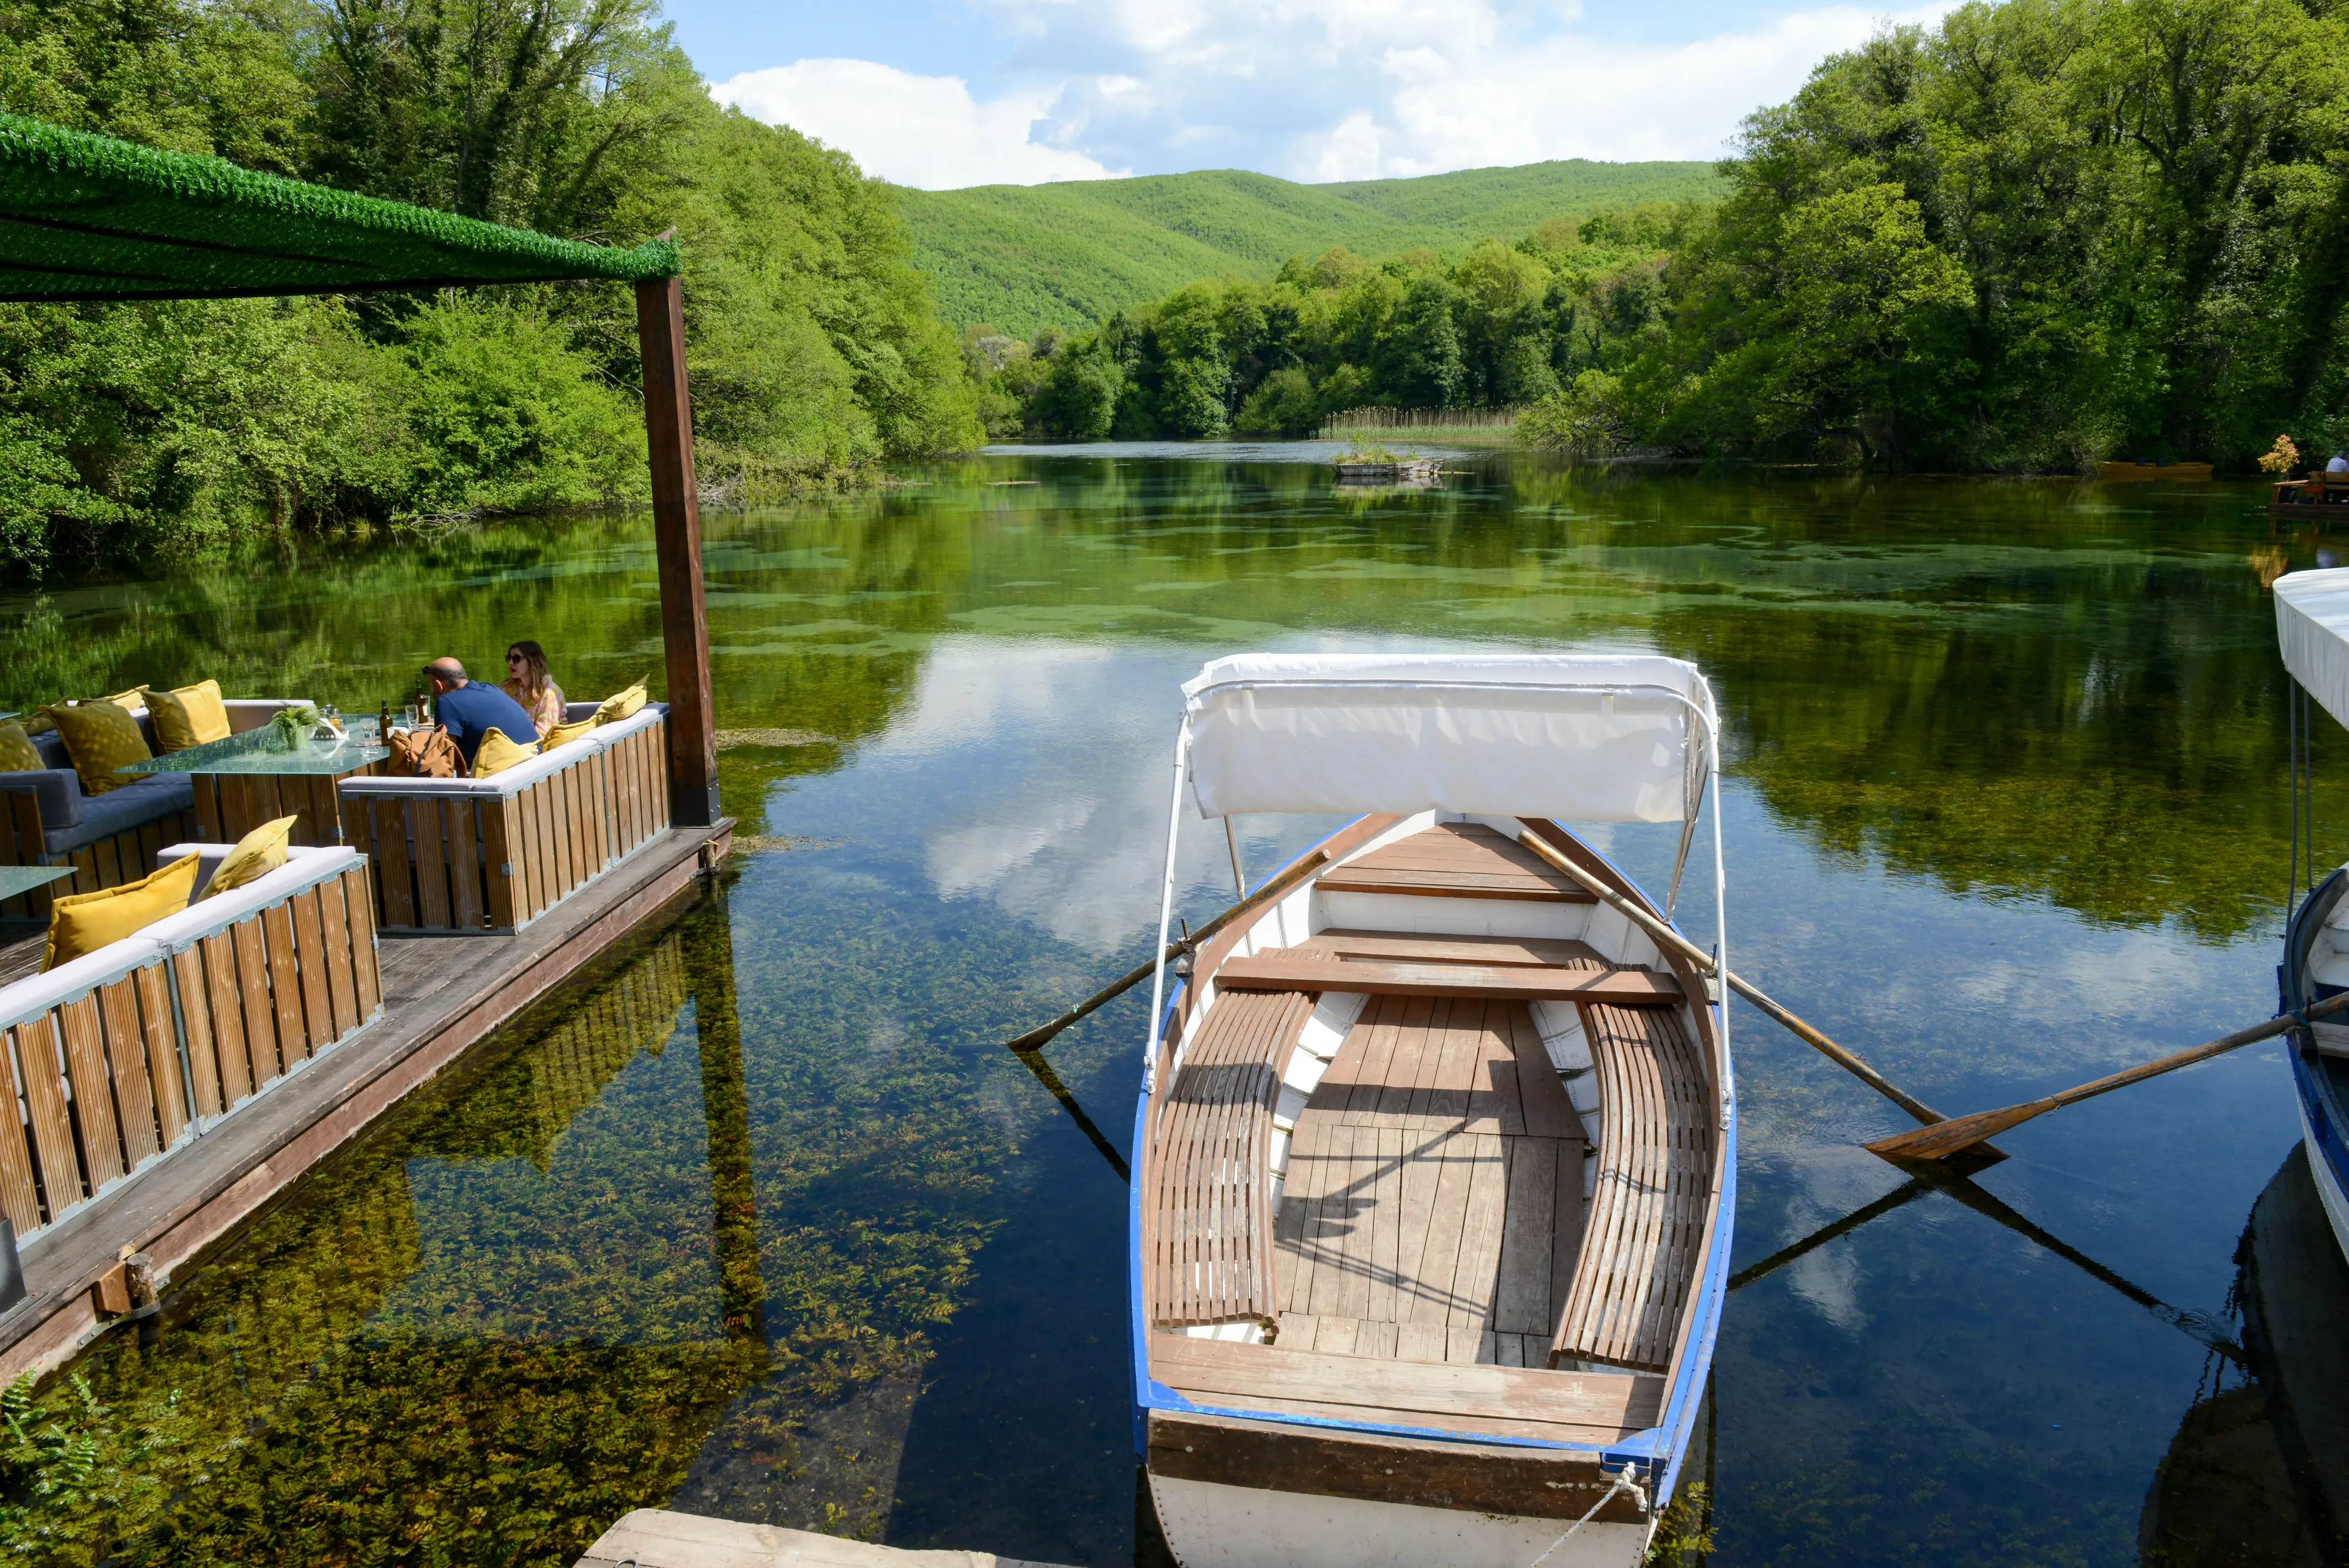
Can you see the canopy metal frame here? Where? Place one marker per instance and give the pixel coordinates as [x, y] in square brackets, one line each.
[1708, 787]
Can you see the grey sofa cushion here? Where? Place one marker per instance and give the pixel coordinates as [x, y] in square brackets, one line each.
[158, 794]
[57, 789]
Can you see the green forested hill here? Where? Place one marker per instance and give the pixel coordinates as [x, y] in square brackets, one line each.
[1067, 254]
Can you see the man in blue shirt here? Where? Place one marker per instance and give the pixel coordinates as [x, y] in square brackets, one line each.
[469, 708]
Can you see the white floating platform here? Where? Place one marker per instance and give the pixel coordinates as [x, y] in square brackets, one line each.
[655, 1538]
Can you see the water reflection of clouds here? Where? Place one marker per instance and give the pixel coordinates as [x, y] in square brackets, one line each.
[1058, 816]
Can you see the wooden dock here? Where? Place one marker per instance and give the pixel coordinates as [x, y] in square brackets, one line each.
[656, 1538]
[441, 995]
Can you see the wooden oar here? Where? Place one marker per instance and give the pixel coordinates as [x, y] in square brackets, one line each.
[1704, 960]
[1945, 1139]
[1264, 895]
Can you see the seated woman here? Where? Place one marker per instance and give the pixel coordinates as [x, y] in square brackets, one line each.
[528, 683]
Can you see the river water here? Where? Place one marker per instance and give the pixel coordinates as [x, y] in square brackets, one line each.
[759, 1221]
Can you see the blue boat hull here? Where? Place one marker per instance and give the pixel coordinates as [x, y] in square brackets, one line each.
[2321, 1084]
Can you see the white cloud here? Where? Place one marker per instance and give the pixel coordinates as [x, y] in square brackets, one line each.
[1329, 89]
[927, 131]
[1568, 97]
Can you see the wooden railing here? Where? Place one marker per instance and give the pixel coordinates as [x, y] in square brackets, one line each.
[493, 855]
[112, 1061]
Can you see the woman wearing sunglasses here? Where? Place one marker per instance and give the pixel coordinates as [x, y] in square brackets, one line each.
[528, 683]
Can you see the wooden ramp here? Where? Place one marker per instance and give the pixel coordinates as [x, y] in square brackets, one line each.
[658, 1537]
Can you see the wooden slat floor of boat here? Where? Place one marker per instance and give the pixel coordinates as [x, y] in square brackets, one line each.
[1647, 1214]
[1210, 1260]
[1433, 1204]
[1456, 860]
[1504, 1401]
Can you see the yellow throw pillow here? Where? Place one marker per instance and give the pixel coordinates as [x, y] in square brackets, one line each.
[498, 753]
[17, 753]
[621, 705]
[40, 723]
[101, 737]
[187, 716]
[81, 923]
[563, 734]
[256, 854]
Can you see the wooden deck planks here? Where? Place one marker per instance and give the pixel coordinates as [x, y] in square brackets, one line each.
[1403, 1193]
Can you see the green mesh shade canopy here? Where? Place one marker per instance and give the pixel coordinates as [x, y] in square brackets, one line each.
[90, 217]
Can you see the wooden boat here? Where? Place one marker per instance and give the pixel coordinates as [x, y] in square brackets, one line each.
[2313, 633]
[2309, 497]
[1402, 471]
[2135, 473]
[1432, 1208]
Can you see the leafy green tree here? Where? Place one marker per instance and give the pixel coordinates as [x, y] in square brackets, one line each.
[1284, 404]
[815, 346]
[1421, 365]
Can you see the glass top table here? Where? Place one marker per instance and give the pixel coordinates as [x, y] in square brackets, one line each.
[264, 752]
[255, 778]
[15, 879]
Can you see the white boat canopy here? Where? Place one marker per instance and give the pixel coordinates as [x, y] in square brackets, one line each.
[2312, 630]
[1580, 737]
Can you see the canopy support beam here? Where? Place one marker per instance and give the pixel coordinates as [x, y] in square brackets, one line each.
[677, 543]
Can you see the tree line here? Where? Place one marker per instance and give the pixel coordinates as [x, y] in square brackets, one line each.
[130, 429]
[2033, 236]
[1502, 323]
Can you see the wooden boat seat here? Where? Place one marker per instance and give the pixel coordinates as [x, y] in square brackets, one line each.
[1575, 1407]
[1645, 1228]
[1456, 860]
[1287, 969]
[1210, 1249]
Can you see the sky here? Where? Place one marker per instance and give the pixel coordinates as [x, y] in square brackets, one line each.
[948, 93]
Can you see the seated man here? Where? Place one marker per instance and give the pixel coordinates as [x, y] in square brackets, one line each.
[2340, 464]
[469, 708]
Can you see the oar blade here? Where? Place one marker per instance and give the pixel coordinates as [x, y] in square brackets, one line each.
[1942, 1139]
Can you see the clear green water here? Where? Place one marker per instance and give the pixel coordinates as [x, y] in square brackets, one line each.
[759, 1221]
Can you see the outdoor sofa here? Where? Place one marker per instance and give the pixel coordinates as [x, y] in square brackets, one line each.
[493, 855]
[111, 838]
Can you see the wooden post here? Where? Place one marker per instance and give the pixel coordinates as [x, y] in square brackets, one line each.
[677, 543]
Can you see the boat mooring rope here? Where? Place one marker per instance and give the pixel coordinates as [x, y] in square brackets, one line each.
[1626, 1480]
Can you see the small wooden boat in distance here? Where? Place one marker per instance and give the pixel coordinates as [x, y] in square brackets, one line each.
[1436, 1154]
[2135, 473]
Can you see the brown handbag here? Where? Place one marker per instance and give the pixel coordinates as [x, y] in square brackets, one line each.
[425, 754]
